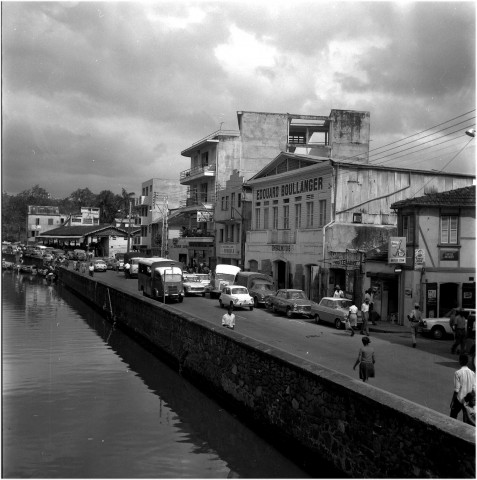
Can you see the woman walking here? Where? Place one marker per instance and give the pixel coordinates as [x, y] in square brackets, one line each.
[365, 360]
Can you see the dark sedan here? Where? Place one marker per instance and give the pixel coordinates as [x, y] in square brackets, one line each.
[291, 302]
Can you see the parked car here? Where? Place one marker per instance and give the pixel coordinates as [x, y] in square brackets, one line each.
[260, 286]
[334, 311]
[192, 285]
[439, 328]
[204, 278]
[110, 263]
[290, 301]
[100, 266]
[236, 296]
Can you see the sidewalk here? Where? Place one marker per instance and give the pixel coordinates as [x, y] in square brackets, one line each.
[388, 327]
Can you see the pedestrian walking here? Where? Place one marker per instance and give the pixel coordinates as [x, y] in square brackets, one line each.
[365, 360]
[458, 326]
[127, 270]
[228, 320]
[352, 319]
[464, 383]
[365, 315]
[338, 293]
[414, 318]
[91, 269]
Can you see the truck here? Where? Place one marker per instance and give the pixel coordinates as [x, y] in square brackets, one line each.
[160, 278]
[259, 285]
[221, 276]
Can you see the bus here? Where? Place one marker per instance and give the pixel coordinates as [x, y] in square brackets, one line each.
[221, 276]
[160, 278]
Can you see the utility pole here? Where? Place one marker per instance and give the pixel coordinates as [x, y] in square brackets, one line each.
[164, 250]
[129, 226]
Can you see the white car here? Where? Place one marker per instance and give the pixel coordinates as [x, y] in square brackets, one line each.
[193, 285]
[236, 296]
[439, 328]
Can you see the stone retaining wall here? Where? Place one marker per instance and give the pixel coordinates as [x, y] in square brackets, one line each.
[364, 431]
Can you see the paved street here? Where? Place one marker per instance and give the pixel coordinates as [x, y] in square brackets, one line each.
[423, 375]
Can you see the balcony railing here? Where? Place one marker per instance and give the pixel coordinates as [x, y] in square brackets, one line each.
[206, 170]
[199, 199]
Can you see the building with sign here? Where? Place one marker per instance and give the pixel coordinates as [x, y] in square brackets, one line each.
[438, 230]
[40, 219]
[232, 219]
[260, 137]
[314, 219]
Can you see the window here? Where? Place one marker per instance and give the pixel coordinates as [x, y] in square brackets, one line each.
[227, 202]
[239, 200]
[221, 235]
[322, 219]
[205, 159]
[50, 221]
[37, 222]
[449, 225]
[297, 215]
[265, 218]
[275, 218]
[257, 218]
[286, 217]
[309, 214]
[408, 228]
[223, 203]
[232, 200]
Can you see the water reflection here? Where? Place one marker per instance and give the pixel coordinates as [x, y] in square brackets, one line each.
[81, 400]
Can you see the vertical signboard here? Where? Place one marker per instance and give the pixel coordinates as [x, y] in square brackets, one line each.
[431, 300]
[397, 250]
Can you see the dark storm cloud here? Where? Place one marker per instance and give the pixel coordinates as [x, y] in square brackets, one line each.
[106, 95]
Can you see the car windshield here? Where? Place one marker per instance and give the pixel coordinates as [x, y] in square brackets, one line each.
[343, 303]
[262, 286]
[239, 291]
[296, 296]
[191, 279]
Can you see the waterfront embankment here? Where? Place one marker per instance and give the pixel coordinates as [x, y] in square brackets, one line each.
[363, 431]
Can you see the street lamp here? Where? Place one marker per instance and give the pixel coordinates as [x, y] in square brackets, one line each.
[470, 132]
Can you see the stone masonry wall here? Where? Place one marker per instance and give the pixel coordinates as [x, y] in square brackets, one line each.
[365, 432]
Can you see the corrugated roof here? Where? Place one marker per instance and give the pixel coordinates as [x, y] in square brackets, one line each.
[460, 197]
[83, 230]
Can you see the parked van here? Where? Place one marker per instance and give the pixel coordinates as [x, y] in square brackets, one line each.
[259, 286]
[133, 259]
[221, 276]
[160, 278]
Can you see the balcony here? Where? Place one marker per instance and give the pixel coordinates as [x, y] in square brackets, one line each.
[196, 173]
[199, 200]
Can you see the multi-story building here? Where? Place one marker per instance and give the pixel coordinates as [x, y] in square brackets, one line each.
[232, 219]
[40, 219]
[87, 216]
[314, 218]
[438, 230]
[260, 138]
[148, 211]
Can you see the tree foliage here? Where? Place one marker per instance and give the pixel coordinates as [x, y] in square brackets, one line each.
[15, 207]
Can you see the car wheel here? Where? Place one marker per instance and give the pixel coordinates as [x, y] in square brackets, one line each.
[220, 303]
[317, 318]
[181, 298]
[337, 324]
[203, 295]
[438, 333]
[255, 302]
[289, 313]
[231, 304]
[274, 309]
[251, 307]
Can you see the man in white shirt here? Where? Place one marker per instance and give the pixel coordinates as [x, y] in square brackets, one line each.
[228, 320]
[365, 314]
[464, 383]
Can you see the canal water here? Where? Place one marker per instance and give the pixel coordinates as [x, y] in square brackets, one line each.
[82, 400]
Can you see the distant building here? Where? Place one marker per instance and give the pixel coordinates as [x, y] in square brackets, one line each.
[87, 216]
[40, 219]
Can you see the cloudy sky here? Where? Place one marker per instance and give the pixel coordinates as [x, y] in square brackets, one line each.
[106, 95]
